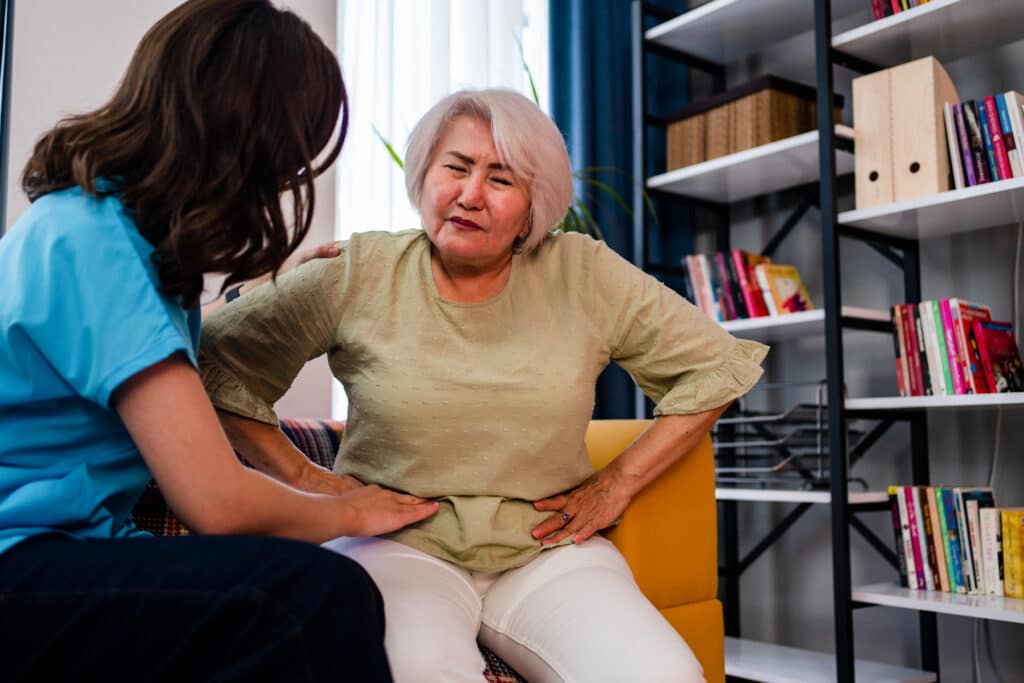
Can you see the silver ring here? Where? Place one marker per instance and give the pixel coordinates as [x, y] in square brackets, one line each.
[566, 517]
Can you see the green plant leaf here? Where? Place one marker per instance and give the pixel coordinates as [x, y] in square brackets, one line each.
[391, 150]
[595, 229]
[582, 174]
[608, 190]
[526, 68]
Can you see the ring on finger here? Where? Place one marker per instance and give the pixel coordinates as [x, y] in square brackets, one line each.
[566, 517]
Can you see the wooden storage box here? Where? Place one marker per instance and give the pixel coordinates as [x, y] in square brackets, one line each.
[756, 113]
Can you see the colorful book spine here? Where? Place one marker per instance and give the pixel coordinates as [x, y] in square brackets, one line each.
[931, 530]
[951, 349]
[965, 146]
[975, 141]
[991, 544]
[995, 131]
[974, 526]
[920, 556]
[953, 527]
[942, 351]
[1010, 140]
[898, 534]
[940, 506]
[914, 579]
[986, 142]
[966, 558]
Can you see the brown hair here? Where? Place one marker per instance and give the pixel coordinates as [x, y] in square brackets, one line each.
[223, 108]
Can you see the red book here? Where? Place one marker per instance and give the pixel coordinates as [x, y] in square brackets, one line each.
[1000, 358]
[913, 351]
[744, 263]
[959, 386]
[995, 132]
[876, 7]
[974, 364]
[963, 314]
[896, 7]
[915, 539]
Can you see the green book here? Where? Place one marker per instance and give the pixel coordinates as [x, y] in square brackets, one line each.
[943, 350]
[941, 506]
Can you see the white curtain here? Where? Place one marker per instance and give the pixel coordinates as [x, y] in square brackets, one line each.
[398, 57]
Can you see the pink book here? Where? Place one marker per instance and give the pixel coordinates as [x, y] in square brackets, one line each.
[915, 540]
[995, 132]
[951, 348]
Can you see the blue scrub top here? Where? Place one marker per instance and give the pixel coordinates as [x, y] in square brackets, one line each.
[80, 312]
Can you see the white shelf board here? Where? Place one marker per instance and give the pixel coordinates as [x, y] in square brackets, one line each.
[979, 606]
[944, 29]
[723, 31]
[767, 168]
[945, 213]
[791, 496]
[937, 402]
[794, 325]
[755, 661]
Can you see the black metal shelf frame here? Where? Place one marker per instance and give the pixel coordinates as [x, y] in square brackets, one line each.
[899, 252]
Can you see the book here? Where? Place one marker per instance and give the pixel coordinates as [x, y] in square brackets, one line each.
[1000, 357]
[1014, 101]
[966, 557]
[951, 349]
[975, 141]
[987, 144]
[913, 354]
[953, 145]
[744, 263]
[785, 286]
[931, 348]
[915, 575]
[898, 533]
[927, 552]
[974, 360]
[1009, 137]
[965, 146]
[936, 543]
[917, 540]
[940, 505]
[995, 131]
[992, 549]
[1013, 582]
[963, 313]
[953, 528]
[902, 375]
[943, 353]
[739, 304]
[922, 351]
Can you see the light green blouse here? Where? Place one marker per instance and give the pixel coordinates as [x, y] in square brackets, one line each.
[483, 406]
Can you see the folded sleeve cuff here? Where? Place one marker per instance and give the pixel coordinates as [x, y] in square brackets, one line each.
[737, 374]
[227, 393]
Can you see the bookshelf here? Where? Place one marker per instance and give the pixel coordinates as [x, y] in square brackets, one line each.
[935, 29]
[722, 32]
[768, 168]
[974, 606]
[769, 495]
[777, 328]
[946, 213]
[756, 661]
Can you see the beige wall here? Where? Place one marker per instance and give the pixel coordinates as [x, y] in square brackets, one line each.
[69, 56]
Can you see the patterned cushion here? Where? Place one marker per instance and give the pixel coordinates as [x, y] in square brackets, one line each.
[318, 440]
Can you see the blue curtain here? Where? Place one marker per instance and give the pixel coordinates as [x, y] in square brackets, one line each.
[591, 102]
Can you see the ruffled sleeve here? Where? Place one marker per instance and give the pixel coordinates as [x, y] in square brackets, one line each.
[681, 359]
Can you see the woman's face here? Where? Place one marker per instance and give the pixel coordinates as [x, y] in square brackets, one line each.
[472, 207]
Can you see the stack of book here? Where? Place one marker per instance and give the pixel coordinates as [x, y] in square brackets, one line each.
[887, 8]
[985, 139]
[736, 285]
[951, 347]
[957, 541]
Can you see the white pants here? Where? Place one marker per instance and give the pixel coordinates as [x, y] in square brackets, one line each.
[573, 615]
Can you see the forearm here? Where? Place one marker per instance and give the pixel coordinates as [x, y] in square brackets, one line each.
[264, 446]
[667, 439]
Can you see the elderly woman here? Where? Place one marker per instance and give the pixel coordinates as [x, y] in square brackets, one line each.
[469, 351]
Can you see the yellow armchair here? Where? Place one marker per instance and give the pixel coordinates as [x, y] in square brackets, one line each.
[669, 537]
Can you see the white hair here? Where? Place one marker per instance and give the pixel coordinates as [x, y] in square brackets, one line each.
[527, 141]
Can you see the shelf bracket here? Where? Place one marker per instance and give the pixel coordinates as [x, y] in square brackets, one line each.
[783, 232]
[858, 451]
[773, 536]
[853, 63]
[875, 542]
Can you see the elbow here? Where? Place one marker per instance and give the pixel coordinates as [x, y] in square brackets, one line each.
[218, 520]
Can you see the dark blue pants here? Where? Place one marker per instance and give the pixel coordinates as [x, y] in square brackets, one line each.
[213, 608]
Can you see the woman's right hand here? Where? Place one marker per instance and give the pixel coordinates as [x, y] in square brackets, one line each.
[313, 478]
[376, 511]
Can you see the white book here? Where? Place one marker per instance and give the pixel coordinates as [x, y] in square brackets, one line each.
[956, 161]
[932, 349]
[991, 544]
[908, 545]
[1014, 100]
[766, 290]
[922, 539]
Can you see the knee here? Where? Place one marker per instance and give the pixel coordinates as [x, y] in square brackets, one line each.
[426, 657]
[664, 667]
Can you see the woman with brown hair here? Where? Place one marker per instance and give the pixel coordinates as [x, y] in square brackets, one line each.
[224, 107]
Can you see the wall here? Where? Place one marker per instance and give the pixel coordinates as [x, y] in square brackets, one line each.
[69, 56]
[787, 594]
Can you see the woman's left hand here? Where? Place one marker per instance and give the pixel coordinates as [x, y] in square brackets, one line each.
[593, 505]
